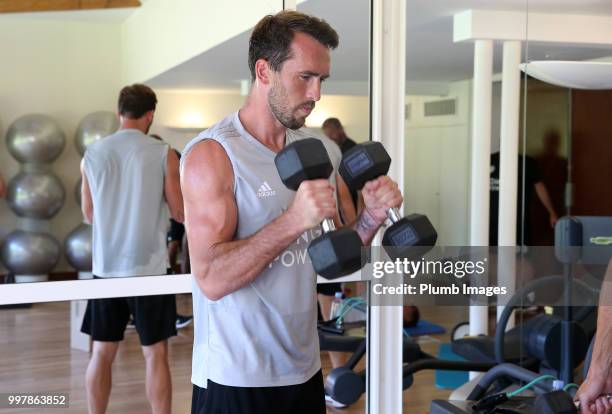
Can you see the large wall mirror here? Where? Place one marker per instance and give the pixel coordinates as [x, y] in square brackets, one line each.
[564, 142]
[558, 122]
[464, 83]
[559, 125]
[441, 62]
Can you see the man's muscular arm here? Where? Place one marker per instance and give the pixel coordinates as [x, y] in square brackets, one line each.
[86, 199]
[220, 264]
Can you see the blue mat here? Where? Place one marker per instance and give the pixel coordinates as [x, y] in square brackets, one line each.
[425, 328]
[450, 380]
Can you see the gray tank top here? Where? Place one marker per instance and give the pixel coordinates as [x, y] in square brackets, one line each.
[125, 172]
[264, 334]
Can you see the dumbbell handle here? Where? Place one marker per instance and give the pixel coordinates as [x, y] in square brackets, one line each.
[328, 225]
[394, 214]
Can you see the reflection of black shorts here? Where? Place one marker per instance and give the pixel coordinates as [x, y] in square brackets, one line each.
[329, 289]
[176, 232]
[154, 318]
[306, 398]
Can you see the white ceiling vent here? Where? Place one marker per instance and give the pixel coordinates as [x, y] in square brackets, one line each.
[440, 108]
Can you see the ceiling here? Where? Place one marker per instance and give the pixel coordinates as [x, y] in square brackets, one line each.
[100, 15]
[431, 55]
[17, 6]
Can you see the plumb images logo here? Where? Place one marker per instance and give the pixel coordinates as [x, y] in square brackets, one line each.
[265, 190]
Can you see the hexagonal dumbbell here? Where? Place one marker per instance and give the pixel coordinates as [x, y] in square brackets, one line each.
[336, 252]
[409, 236]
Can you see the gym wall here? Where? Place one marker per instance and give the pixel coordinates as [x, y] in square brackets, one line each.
[62, 69]
[437, 163]
[164, 33]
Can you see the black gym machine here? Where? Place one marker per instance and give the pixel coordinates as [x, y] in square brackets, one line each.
[521, 355]
[551, 344]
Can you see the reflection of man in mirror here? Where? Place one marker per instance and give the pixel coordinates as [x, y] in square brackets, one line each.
[531, 181]
[256, 346]
[553, 168]
[335, 131]
[129, 183]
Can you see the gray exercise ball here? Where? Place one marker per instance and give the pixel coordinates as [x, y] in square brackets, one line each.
[36, 194]
[77, 191]
[93, 127]
[35, 138]
[29, 253]
[78, 248]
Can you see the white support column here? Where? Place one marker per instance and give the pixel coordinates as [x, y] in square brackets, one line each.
[78, 340]
[388, 95]
[508, 165]
[289, 4]
[481, 153]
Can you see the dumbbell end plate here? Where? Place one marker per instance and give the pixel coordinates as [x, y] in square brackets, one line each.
[336, 254]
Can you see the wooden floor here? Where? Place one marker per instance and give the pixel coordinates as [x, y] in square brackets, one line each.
[36, 357]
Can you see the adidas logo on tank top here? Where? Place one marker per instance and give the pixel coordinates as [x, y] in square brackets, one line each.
[265, 190]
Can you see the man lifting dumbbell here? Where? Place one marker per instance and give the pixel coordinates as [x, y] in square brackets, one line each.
[255, 338]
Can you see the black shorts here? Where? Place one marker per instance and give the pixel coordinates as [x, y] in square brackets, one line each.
[154, 318]
[306, 398]
[329, 289]
[176, 232]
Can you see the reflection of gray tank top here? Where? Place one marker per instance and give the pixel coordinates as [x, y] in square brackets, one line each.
[265, 333]
[125, 172]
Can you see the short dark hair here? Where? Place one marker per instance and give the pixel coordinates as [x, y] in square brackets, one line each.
[272, 36]
[332, 122]
[136, 100]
